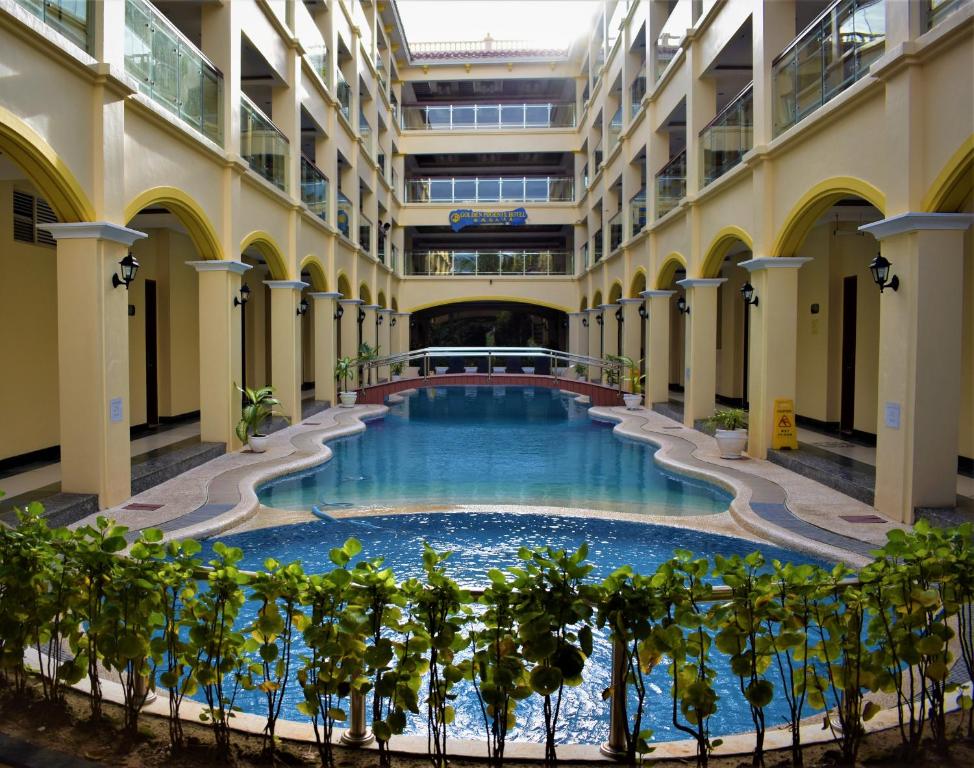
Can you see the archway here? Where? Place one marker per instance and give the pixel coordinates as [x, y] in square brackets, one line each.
[312, 273]
[262, 254]
[672, 270]
[612, 324]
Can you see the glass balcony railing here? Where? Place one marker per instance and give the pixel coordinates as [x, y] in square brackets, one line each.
[728, 137]
[477, 262]
[72, 18]
[314, 188]
[394, 108]
[344, 215]
[394, 181]
[938, 10]
[262, 145]
[364, 232]
[615, 130]
[671, 184]
[394, 263]
[597, 155]
[585, 260]
[585, 176]
[506, 189]
[832, 53]
[365, 131]
[171, 71]
[381, 248]
[380, 71]
[615, 232]
[484, 117]
[636, 92]
[671, 35]
[597, 247]
[343, 92]
[317, 57]
[637, 211]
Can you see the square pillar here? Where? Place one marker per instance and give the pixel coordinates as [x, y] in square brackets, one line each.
[594, 341]
[221, 357]
[632, 331]
[348, 333]
[385, 333]
[93, 360]
[286, 345]
[575, 336]
[657, 346]
[370, 333]
[325, 345]
[700, 372]
[772, 347]
[920, 332]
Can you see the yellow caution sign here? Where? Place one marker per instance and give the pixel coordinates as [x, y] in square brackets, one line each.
[784, 433]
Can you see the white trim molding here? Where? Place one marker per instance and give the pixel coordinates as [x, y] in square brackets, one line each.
[93, 230]
[701, 282]
[657, 294]
[293, 284]
[219, 265]
[321, 295]
[917, 222]
[774, 262]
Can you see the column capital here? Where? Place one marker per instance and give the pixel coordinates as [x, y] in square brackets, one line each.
[293, 284]
[93, 230]
[577, 314]
[657, 294]
[375, 307]
[219, 265]
[350, 301]
[630, 301]
[604, 307]
[591, 309]
[323, 295]
[401, 314]
[385, 311]
[916, 222]
[701, 282]
[774, 262]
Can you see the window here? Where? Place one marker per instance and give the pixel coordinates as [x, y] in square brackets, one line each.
[29, 211]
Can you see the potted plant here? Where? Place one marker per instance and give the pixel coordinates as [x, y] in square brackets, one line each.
[396, 370]
[258, 409]
[634, 397]
[581, 371]
[730, 431]
[470, 365]
[344, 372]
[367, 354]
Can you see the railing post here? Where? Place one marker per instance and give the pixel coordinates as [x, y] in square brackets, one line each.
[490, 365]
[615, 746]
[357, 734]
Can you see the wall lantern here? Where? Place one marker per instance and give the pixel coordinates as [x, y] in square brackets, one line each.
[643, 312]
[392, 322]
[361, 315]
[747, 291]
[880, 268]
[302, 307]
[244, 297]
[682, 307]
[619, 315]
[339, 311]
[379, 319]
[600, 318]
[585, 322]
[130, 266]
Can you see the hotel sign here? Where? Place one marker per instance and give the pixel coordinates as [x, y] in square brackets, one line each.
[467, 217]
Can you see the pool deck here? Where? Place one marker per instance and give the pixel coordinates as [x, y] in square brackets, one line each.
[770, 503]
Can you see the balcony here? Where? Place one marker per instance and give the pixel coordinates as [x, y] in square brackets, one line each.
[314, 188]
[317, 57]
[490, 190]
[394, 263]
[380, 72]
[597, 247]
[365, 133]
[636, 92]
[343, 92]
[671, 184]
[728, 137]
[615, 232]
[671, 36]
[69, 17]
[585, 260]
[488, 117]
[597, 156]
[637, 211]
[170, 70]
[344, 215]
[364, 232]
[832, 53]
[394, 181]
[262, 144]
[615, 130]
[493, 263]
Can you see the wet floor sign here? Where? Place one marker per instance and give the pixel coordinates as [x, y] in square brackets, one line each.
[785, 433]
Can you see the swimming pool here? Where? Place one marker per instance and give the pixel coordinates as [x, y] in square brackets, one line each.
[493, 445]
[481, 541]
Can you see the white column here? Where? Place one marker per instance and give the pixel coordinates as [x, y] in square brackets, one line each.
[701, 348]
[325, 345]
[286, 345]
[658, 346]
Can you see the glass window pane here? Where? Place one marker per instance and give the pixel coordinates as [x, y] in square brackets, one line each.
[537, 189]
[489, 190]
[488, 116]
[512, 115]
[512, 189]
[463, 117]
[438, 117]
[465, 189]
[537, 115]
[165, 64]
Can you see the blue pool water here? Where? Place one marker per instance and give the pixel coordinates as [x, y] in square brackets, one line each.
[493, 445]
[484, 540]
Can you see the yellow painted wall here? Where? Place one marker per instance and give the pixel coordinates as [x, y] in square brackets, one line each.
[28, 344]
[730, 340]
[966, 447]
[815, 387]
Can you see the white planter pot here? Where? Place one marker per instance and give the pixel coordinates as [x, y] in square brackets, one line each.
[470, 369]
[348, 398]
[632, 400]
[396, 377]
[441, 369]
[258, 443]
[528, 369]
[500, 369]
[731, 442]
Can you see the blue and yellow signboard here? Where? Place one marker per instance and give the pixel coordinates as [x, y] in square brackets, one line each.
[467, 217]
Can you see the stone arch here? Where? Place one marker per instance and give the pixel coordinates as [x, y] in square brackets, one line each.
[318, 279]
[45, 168]
[954, 182]
[264, 244]
[638, 283]
[615, 292]
[189, 212]
[817, 201]
[664, 277]
[597, 299]
[584, 304]
[381, 300]
[723, 241]
[395, 304]
[364, 293]
[343, 286]
[509, 299]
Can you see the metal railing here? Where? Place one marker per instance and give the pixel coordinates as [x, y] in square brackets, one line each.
[524, 189]
[671, 184]
[419, 50]
[69, 17]
[637, 211]
[597, 155]
[364, 232]
[314, 188]
[597, 246]
[344, 215]
[477, 262]
[728, 137]
[473, 117]
[556, 362]
[615, 232]
[636, 92]
[262, 144]
[343, 92]
[832, 53]
[170, 70]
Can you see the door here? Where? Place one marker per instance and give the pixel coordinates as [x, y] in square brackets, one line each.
[848, 386]
[151, 356]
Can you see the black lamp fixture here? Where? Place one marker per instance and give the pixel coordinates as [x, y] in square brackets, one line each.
[386, 227]
[600, 318]
[130, 266]
[244, 297]
[643, 312]
[747, 291]
[682, 307]
[339, 311]
[392, 321]
[880, 267]
[378, 319]
[619, 315]
[361, 315]
[585, 322]
[302, 307]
